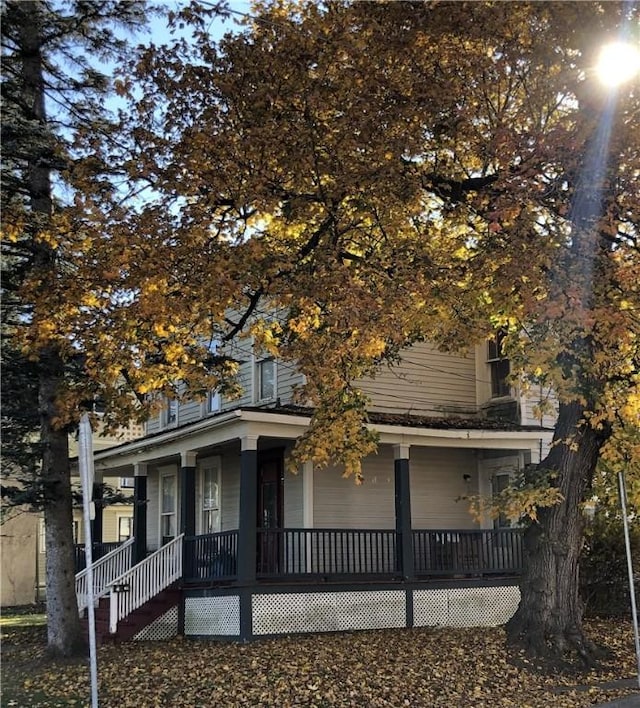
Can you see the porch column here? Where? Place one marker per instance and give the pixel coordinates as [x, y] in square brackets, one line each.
[139, 511]
[96, 523]
[403, 509]
[247, 529]
[188, 492]
[187, 507]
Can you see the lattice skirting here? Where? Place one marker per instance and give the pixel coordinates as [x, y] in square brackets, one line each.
[327, 611]
[163, 627]
[465, 607]
[215, 616]
[342, 610]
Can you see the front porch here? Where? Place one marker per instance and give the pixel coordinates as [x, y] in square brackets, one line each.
[257, 551]
[308, 580]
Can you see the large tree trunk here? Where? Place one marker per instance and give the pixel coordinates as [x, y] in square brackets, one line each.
[548, 622]
[64, 630]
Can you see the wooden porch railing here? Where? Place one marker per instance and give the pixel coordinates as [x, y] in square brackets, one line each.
[282, 552]
[211, 556]
[144, 581]
[465, 552]
[286, 553]
[105, 570]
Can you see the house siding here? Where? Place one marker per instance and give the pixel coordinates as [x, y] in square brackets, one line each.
[230, 507]
[425, 382]
[293, 501]
[340, 503]
[436, 483]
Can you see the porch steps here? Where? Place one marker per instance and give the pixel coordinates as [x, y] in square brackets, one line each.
[136, 621]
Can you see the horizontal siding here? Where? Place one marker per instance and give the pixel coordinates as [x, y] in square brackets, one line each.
[153, 510]
[436, 482]
[230, 507]
[532, 398]
[293, 516]
[288, 377]
[340, 503]
[189, 412]
[425, 382]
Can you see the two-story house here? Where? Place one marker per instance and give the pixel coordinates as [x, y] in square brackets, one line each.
[249, 550]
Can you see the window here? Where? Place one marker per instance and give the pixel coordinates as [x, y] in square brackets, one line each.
[499, 365]
[213, 401]
[126, 483]
[210, 520]
[167, 507]
[266, 379]
[125, 528]
[171, 412]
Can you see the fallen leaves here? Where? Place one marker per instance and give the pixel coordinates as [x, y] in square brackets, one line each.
[418, 668]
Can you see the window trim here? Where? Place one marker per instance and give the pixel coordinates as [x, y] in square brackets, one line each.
[500, 387]
[259, 398]
[165, 473]
[119, 518]
[214, 463]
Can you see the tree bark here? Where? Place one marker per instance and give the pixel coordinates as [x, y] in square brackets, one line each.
[548, 622]
[65, 636]
[64, 631]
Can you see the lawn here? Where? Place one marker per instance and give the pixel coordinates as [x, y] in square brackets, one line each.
[466, 668]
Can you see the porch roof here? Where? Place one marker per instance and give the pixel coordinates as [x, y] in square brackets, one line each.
[289, 422]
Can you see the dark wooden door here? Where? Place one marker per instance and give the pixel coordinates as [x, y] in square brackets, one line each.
[270, 513]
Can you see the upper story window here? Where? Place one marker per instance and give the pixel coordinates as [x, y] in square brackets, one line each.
[499, 366]
[126, 483]
[170, 413]
[214, 402]
[266, 379]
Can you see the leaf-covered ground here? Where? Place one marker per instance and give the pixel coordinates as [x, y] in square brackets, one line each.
[420, 667]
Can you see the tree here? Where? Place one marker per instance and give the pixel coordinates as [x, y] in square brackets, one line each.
[51, 92]
[340, 181]
[398, 171]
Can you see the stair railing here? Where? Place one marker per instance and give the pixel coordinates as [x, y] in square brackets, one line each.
[145, 580]
[105, 571]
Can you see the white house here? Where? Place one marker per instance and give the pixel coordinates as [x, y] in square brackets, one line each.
[248, 550]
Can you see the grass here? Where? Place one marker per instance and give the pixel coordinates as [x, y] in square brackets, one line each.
[426, 668]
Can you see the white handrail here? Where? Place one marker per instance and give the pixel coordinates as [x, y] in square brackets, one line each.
[144, 581]
[105, 569]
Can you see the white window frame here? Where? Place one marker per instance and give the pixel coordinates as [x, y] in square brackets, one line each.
[165, 473]
[213, 404]
[126, 483]
[119, 518]
[214, 464]
[259, 376]
[170, 413]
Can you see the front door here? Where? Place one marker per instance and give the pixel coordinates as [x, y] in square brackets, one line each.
[270, 517]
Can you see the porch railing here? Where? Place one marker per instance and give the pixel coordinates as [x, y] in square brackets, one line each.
[105, 571]
[465, 552]
[98, 550]
[282, 552]
[211, 556]
[145, 580]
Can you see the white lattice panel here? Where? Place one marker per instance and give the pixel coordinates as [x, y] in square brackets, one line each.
[328, 611]
[465, 607]
[212, 615]
[430, 608]
[163, 627]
